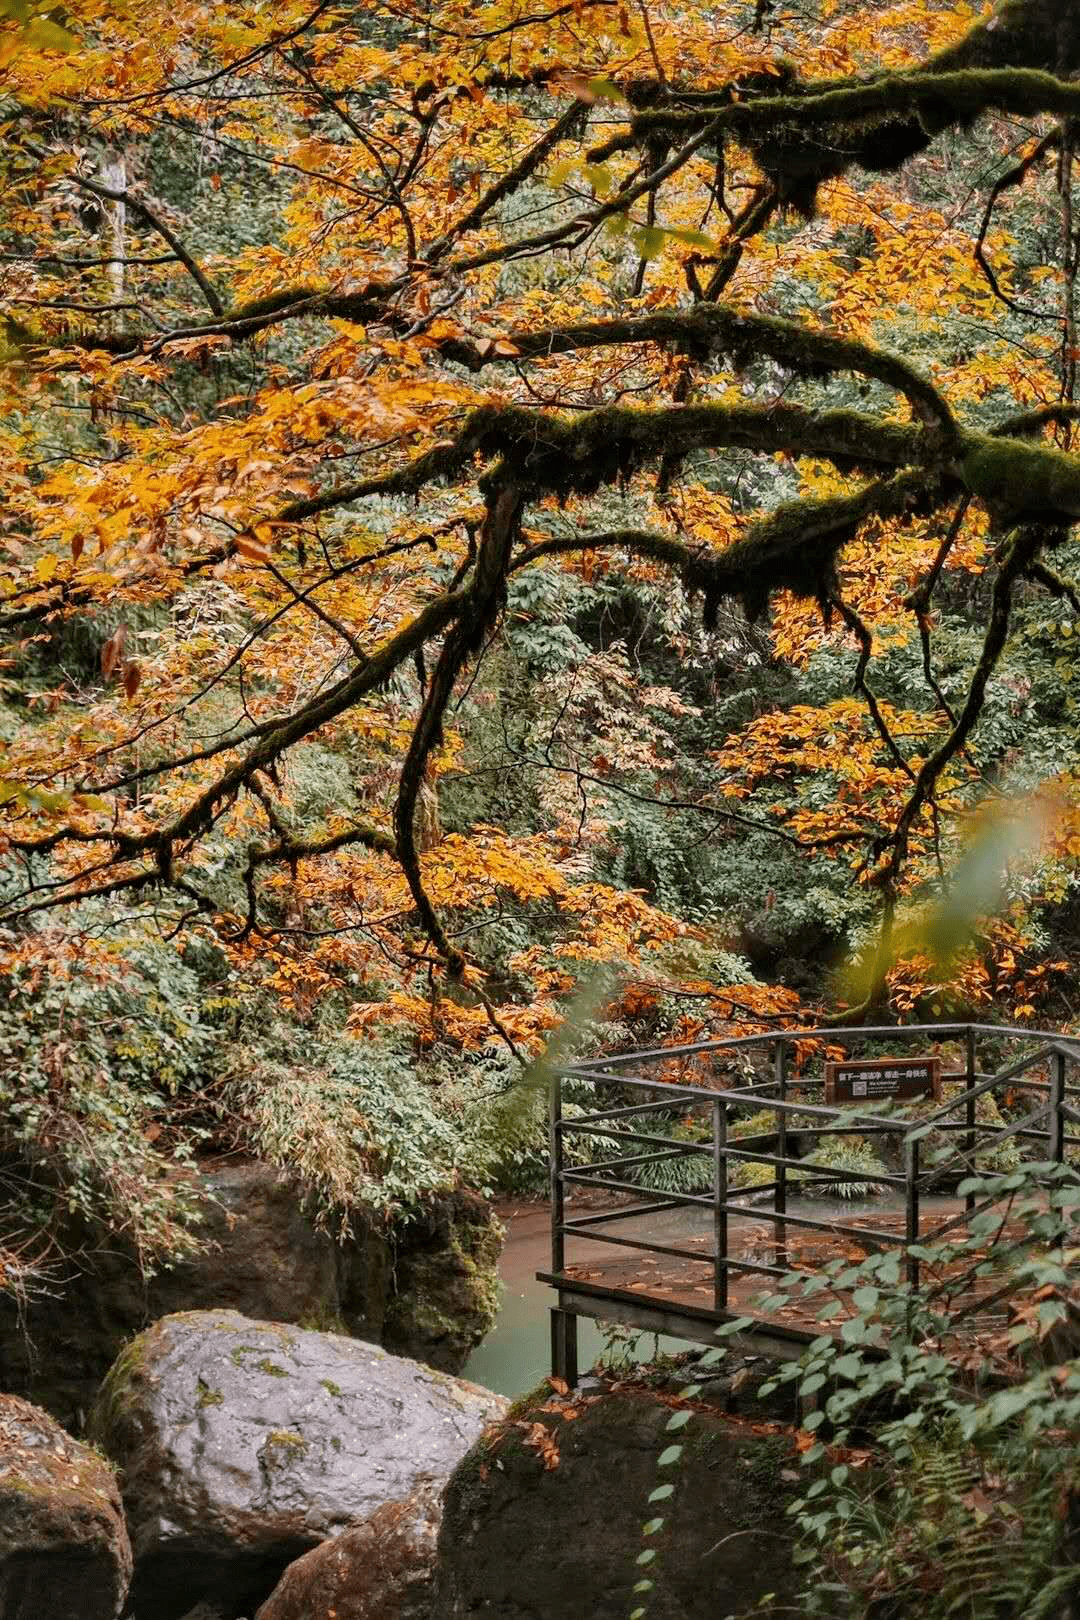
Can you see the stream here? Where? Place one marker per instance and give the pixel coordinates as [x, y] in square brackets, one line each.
[516, 1354]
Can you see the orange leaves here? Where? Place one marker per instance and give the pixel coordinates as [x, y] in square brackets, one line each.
[539, 1438]
[113, 662]
[438, 1020]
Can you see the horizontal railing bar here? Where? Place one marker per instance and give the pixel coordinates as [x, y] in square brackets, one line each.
[673, 1087]
[618, 1113]
[815, 1225]
[704, 1258]
[676, 1152]
[838, 1037]
[734, 1098]
[708, 1258]
[1021, 1085]
[999, 1030]
[893, 1129]
[626, 1213]
[575, 1127]
[628, 1186]
[809, 1164]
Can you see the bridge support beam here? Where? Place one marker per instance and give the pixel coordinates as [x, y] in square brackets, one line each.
[564, 1363]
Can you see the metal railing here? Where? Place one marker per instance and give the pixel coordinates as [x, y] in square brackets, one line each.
[607, 1104]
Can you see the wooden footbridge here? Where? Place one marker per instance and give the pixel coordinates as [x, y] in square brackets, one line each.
[669, 1230]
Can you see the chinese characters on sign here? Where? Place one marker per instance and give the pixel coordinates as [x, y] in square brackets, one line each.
[878, 1079]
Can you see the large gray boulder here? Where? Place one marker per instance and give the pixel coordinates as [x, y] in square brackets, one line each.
[426, 1287]
[64, 1550]
[244, 1444]
[522, 1539]
[381, 1570]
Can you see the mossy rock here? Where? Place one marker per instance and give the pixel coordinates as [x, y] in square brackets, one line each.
[446, 1293]
[521, 1538]
[64, 1548]
[242, 1444]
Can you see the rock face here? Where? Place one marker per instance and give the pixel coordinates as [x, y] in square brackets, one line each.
[64, 1551]
[382, 1570]
[427, 1288]
[243, 1444]
[520, 1540]
[445, 1295]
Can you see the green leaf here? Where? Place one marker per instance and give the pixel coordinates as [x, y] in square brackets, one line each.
[678, 1420]
[606, 90]
[661, 1493]
[669, 1455]
[651, 1526]
[650, 240]
[694, 238]
[50, 36]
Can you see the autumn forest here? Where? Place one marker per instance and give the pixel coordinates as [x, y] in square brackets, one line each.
[524, 522]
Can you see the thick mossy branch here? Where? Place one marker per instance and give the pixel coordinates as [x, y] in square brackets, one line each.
[794, 548]
[1018, 61]
[568, 455]
[1026, 483]
[710, 328]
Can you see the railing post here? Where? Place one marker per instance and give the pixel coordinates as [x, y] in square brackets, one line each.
[780, 1202]
[558, 1246]
[720, 1198]
[1056, 1122]
[911, 1152]
[969, 1113]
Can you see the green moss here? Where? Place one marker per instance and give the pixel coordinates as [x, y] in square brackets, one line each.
[324, 1320]
[208, 1396]
[108, 1406]
[766, 1460]
[1028, 481]
[334, 1389]
[288, 1438]
[282, 1447]
[271, 1368]
[526, 1402]
[239, 1351]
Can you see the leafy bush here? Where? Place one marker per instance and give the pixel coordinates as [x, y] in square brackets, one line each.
[92, 1054]
[942, 1453]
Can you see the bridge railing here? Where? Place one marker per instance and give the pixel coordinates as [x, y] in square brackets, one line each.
[737, 1125]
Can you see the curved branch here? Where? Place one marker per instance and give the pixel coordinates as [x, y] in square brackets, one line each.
[482, 599]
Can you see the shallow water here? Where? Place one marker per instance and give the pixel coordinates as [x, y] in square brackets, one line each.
[516, 1354]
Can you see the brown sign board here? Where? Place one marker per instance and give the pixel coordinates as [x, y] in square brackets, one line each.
[880, 1079]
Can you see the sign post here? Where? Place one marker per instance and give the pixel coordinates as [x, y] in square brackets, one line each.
[881, 1079]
